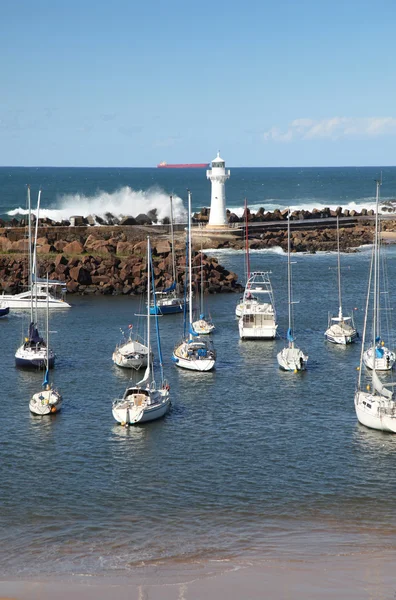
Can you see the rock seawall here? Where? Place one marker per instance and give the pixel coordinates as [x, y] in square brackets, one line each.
[90, 264]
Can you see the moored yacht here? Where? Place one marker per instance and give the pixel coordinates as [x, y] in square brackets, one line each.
[258, 317]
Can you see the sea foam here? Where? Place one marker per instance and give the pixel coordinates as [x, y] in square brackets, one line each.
[123, 202]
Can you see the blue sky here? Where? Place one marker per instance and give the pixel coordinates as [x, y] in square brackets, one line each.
[122, 83]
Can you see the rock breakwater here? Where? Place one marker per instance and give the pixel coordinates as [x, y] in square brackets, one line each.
[111, 262]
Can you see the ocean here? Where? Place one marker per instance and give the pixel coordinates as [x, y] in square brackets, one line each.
[251, 464]
[73, 191]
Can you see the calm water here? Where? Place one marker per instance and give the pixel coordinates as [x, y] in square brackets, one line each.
[250, 462]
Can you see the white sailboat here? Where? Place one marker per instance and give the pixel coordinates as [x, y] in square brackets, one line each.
[204, 325]
[291, 358]
[52, 294]
[340, 329]
[144, 401]
[193, 352]
[375, 406]
[48, 400]
[34, 351]
[130, 353]
[169, 301]
[379, 356]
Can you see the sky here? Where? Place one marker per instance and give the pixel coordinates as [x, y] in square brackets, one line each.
[130, 84]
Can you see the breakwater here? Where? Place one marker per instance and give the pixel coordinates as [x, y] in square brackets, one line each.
[104, 261]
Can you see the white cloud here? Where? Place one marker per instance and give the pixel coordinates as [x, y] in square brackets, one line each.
[333, 128]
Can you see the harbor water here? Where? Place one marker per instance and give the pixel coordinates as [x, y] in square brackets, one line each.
[251, 463]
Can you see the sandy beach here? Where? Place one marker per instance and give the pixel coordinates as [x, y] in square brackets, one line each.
[353, 577]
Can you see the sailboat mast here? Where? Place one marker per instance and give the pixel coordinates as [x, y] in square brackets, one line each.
[202, 278]
[148, 303]
[247, 242]
[365, 318]
[339, 271]
[189, 264]
[30, 252]
[172, 240]
[289, 276]
[375, 303]
[47, 318]
[35, 255]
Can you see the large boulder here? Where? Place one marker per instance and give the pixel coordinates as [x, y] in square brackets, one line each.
[5, 244]
[73, 248]
[143, 219]
[81, 275]
[128, 221]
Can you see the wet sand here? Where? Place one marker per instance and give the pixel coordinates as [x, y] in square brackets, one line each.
[353, 577]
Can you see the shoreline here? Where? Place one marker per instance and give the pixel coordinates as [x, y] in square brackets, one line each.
[359, 575]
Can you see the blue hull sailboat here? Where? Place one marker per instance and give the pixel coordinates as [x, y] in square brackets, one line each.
[169, 302]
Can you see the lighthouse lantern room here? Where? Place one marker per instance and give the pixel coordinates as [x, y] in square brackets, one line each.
[218, 175]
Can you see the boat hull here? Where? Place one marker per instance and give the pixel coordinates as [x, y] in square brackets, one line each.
[195, 355]
[201, 365]
[341, 334]
[257, 333]
[375, 413]
[46, 402]
[166, 309]
[28, 358]
[342, 340]
[131, 355]
[25, 303]
[292, 359]
[203, 327]
[126, 413]
[385, 363]
[4, 311]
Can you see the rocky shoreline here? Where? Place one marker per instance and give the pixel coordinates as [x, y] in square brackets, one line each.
[105, 263]
[110, 259]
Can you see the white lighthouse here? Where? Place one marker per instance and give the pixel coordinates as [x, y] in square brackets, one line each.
[218, 175]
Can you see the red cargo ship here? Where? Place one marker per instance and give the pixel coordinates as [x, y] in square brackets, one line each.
[164, 165]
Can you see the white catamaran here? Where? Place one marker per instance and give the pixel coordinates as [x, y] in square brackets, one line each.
[291, 358]
[340, 329]
[145, 401]
[375, 405]
[42, 293]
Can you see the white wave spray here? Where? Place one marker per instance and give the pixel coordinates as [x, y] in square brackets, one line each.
[123, 202]
[271, 205]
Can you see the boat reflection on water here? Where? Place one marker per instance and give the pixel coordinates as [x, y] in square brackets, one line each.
[373, 441]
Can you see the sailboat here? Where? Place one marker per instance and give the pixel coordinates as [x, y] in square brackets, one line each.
[193, 352]
[375, 406]
[291, 358]
[239, 306]
[340, 329]
[169, 301]
[143, 401]
[384, 358]
[54, 292]
[49, 400]
[34, 351]
[204, 325]
[130, 353]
